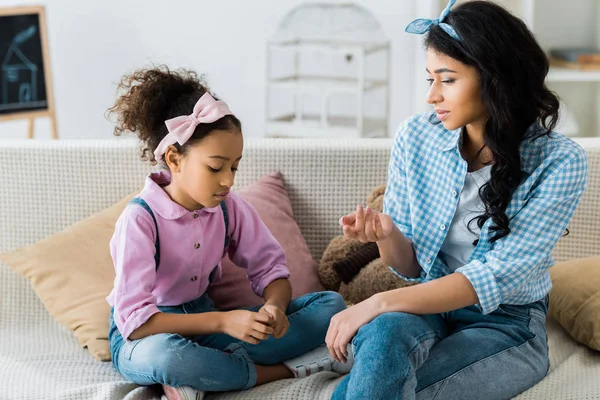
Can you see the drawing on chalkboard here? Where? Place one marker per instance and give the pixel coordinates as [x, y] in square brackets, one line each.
[19, 74]
[25, 78]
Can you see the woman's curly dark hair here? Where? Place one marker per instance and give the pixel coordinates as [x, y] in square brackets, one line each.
[149, 97]
[513, 68]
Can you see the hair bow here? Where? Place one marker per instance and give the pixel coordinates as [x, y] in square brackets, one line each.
[422, 25]
[206, 111]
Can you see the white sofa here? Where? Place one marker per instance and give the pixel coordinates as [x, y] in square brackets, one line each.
[49, 185]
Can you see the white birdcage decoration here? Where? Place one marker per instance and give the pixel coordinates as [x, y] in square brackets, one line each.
[328, 73]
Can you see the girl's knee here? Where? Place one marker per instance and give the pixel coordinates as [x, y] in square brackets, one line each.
[155, 356]
[333, 300]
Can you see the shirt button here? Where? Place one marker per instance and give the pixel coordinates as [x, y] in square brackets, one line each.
[454, 193]
[195, 215]
[442, 226]
[197, 245]
[194, 278]
[429, 260]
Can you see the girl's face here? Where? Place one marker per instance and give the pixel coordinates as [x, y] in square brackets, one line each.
[205, 175]
[455, 92]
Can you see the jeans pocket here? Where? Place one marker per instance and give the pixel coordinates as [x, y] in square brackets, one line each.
[520, 313]
[538, 322]
[128, 347]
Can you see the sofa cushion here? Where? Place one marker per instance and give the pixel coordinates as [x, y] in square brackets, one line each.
[72, 271]
[575, 299]
[270, 199]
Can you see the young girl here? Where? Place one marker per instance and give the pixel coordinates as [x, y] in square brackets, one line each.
[167, 248]
[478, 194]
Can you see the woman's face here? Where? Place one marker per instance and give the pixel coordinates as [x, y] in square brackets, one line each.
[455, 92]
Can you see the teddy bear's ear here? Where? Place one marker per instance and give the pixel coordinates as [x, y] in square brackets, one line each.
[349, 266]
[338, 249]
[375, 199]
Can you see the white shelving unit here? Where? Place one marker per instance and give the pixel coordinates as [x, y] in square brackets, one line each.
[325, 65]
[557, 23]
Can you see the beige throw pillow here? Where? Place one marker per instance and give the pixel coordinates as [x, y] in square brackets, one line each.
[72, 273]
[575, 299]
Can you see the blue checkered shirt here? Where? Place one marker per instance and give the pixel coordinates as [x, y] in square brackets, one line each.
[425, 177]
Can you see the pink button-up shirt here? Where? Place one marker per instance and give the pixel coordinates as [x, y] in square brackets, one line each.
[191, 245]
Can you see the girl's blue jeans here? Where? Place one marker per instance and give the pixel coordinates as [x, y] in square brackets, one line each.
[220, 362]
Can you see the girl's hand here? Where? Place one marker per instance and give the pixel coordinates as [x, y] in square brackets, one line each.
[251, 327]
[367, 225]
[279, 321]
[345, 324]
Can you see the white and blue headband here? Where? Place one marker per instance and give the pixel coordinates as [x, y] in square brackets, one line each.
[423, 25]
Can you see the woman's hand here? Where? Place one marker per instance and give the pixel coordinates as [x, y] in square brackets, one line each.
[345, 324]
[367, 225]
[251, 327]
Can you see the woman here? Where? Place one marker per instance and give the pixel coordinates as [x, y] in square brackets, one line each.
[478, 194]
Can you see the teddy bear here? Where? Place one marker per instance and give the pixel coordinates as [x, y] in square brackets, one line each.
[355, 269]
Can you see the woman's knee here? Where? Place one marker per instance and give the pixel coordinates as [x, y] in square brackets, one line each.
[390, 323]
[393, 329]
[385, 342]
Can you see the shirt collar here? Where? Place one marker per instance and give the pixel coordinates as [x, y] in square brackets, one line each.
[159, 200]
[449, 139]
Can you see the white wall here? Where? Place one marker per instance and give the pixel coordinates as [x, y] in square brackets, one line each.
[92, 44]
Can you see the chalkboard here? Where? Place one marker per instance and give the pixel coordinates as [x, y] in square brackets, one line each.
[25, 89]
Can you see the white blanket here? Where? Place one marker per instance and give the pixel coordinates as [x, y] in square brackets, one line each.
[39, 359]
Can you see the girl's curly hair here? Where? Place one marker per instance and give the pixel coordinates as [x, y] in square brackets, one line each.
[149, 97]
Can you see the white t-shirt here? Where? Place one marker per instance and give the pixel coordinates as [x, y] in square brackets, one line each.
[458, 245]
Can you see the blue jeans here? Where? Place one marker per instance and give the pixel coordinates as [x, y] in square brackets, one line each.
[461, 354]
[220, 362]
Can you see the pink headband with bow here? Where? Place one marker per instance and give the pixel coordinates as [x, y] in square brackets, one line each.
[181, 129]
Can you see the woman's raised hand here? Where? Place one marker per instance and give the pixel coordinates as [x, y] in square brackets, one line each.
[367, 225]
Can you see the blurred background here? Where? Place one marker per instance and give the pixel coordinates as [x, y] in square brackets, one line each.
[286, 67]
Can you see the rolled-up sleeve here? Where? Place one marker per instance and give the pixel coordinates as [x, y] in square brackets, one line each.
[253, 247]
[396, 198]
[132, 250]
[534, 231]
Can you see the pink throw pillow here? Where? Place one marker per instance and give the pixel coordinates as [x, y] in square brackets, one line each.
[270, 199]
